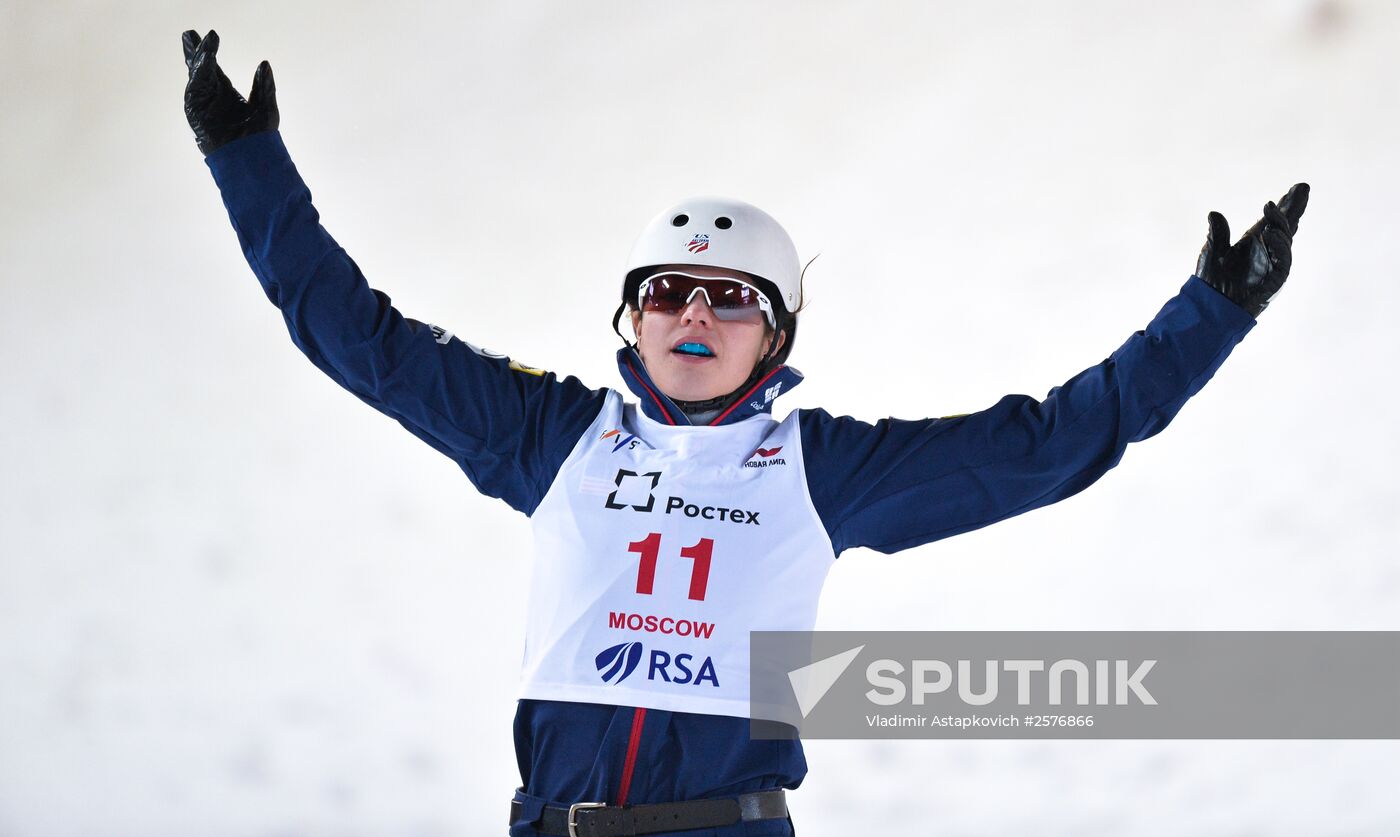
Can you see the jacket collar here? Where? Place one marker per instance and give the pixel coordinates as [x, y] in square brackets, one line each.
[659, 407]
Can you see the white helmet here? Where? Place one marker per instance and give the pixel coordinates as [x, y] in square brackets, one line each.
[720, 232]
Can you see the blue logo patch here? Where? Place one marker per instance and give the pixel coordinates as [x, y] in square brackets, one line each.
[619, 658]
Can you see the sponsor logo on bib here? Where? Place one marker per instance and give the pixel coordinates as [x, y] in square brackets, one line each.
[630, 487]
[764, 458]
[629, 441]
[635, 491]
[617, 662]
[678, 504]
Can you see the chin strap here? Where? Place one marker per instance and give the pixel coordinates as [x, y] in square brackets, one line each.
[716, 403]
[617, 318]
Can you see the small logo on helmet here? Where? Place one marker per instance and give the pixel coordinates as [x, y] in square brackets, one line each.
[699, 244]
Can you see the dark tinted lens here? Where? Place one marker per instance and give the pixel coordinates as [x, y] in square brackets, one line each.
[667, 293]
[724, 294]
[671, 292]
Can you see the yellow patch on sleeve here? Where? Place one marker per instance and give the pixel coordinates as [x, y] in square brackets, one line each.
[528, 370]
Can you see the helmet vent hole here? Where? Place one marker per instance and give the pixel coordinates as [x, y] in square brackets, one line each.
[723, 223]
[680, 220]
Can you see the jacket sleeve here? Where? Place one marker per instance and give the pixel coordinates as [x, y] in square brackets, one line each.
[898, 484]
[508, 427]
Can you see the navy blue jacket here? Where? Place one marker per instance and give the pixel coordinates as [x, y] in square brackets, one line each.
[886, 486]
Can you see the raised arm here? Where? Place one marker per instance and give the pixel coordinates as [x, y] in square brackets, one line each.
[898, 484]
[507, 426]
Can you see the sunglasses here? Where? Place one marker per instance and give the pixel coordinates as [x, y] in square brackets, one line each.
[731, 299]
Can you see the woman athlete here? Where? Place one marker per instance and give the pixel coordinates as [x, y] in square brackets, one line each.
[668, 529]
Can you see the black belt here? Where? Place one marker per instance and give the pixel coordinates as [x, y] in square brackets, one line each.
[595, 819]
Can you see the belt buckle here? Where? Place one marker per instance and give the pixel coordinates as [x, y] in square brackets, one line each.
[573, 812]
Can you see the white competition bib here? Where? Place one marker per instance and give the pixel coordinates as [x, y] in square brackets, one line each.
[658, 549]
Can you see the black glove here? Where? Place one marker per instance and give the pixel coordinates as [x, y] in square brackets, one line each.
[1251, 271]
[217, 113]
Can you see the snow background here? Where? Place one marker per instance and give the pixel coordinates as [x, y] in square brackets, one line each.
[235, 601]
